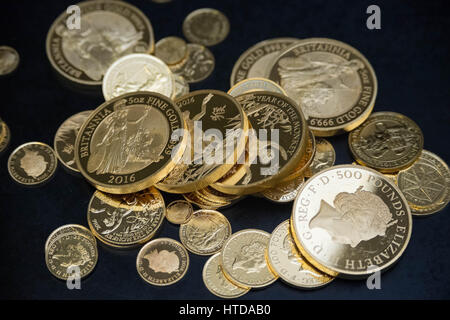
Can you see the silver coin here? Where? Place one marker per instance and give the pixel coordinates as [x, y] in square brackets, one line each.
[9, 60]
[206, 26]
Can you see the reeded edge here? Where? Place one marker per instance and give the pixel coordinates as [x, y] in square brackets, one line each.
[335, 272]
[231, 278]
[349, 126]
[249, 50]
[179, 201]
[205, 267]
[351, 138]
[60, 17]
[240, 83]
[16, 65]
[198, 252]
[159, 240]
[51, 174]
[152, 179]
[133, 244]
[221, 169]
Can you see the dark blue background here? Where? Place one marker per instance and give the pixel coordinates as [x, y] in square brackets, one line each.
[409, 54]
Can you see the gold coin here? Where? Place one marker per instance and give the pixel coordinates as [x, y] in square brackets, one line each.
[162, 262]
[285, 260]
[198, 65]
[333, 83]
[71, 246]
[217, 196]
[126, 220]
[5, 135]
[387, 142]
[324, 157]
[285, 192]
[129, 143]
[193, 197]
[243, 259]
[425, 184]
[179, 211]
[171, 50]
[206, 232]
[32, 163]
[351, 220]
[9, 60]
[181, 87]
[217, 283]
[255, 84]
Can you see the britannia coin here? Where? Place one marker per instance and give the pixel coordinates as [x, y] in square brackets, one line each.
[206, 26]
[65, 137]
[285, 192]
[5, 135]
[253, 63]
[243, 259]
[324, 157]
[285, 260]
[108, 30]
[255, 84]
[179, 211]
[217, 283]
[425, 184]
[162, 262]
[130, 142]
[206, 232]
[333, 83]
[32, 163]
[213, 114]
[70, 248]
[198, 66]
[277, 140]
[138, 72]
[126, 220]
[387, 141]
[351, 221]
[171, 50]
[9, 60]
[181, 86]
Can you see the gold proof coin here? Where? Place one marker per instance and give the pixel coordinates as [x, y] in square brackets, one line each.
[179, 211]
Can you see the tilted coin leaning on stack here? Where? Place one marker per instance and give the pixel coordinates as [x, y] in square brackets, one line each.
[263, 138]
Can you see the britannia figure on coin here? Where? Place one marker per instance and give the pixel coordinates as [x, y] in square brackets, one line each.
[251, 258]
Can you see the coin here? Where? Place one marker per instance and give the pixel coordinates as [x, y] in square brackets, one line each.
[126, 220]
[179, 211]
[333, 83]
[206, 26]
[285, 134]
[324, 157]
[138, 72]
[71, 246]
[206, 232]
[243, 259]
[162, 262]
[129, 143]
[198, 66]
[387, 141]
[193, 198]
[215, 281]
[171, 50]
[64, 143]
[5, 135]
[32, 163]
[255, 84]
[254, 61]
[425, 184]
[351, 220]
[285, 192]
[181, 87]
[214, 195]
[9, 60]
[204, 162]
[285, 260]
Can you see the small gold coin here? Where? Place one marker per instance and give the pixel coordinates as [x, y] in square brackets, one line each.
[126, 220]
[425, 184]
[243, 259]
[286, 261]
[162, 262]
[171, 50]
[71, 246]
[324, 157]
[217, 283]
[198, 65]
[387, 142]
[285, 192]
[193, 198]
[206, 232]
[179, 211]
[9, 60]
[5, 135]
[32, 163]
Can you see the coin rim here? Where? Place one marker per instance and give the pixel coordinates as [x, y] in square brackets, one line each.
[242, 82]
